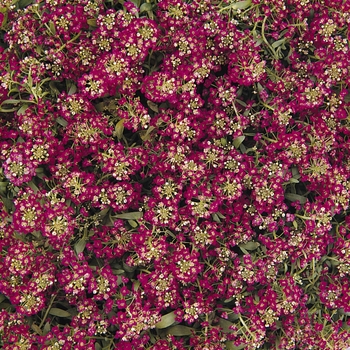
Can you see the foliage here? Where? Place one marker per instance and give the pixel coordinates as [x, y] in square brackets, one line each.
[174, 174]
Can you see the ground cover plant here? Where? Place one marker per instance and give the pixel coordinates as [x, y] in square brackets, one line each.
[174, 174]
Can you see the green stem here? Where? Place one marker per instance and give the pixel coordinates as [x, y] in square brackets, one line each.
[265, 40]
[47, 311]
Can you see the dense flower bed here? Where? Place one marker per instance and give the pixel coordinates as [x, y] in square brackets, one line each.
[174, 174]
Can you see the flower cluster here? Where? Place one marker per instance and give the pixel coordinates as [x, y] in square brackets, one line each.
[174, 174]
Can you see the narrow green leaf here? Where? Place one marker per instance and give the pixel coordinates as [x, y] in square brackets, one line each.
[2, 298]
[133, 223]
[22, 110]
[225, 325]
[278, 43]
[100, 106]
[146, 7]
[231, 346]
[24, 3]
[249, 245]
[135, 215]
[153, 106]
[260, 87]
[62, 121]
[8, 204]
[11, 101]
[103, 213]
[119, 129]
[145, 134]
[92, 22]
[36, 329]
[98, 346]
[215, 217]
[221, 216]
[166, 321]
[80, 246]
[52, 27]
[180, 331]
[33, 186]
[293, 197]
[46, 328]
[241, 5]
[128, 268]
[244, 250]
[136, 285]
[53, 87]
[59, 312]
[72, 90]
[237, 142]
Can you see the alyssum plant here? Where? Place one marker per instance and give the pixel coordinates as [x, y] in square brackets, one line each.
[174, 174]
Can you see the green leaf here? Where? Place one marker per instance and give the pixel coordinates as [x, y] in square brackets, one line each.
[2, 298]
[249, 245]
[52, 28]
[221, 216]
[59, 312]
[62, 121]
[24, 3]
[241, 5]
[92, 22]
[135, 215]
[100, 106]
[80, 246]
[102, 213]
[33, 186]
[47, 328]
[136, 285]
[133, 223]
[244, 251]
[293, 197]
[36, 329]
[225, 325]
[11, 101]
[231, 346]
[215, 217]
[119, 129]
[145, 134]
[22, 110]
[146, 7]
[153, 106]
[237, 142]
[72, 90]
[128, 268]
[8, 204]
[179, 330]
[259, 87]
[166, 321]
[54, 88]
[278, 43]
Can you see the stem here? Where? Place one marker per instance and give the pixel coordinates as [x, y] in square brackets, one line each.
[265, 40]
[246, 327]
[68, 42]
[268, 139]
[47, 311]
[303, 217]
